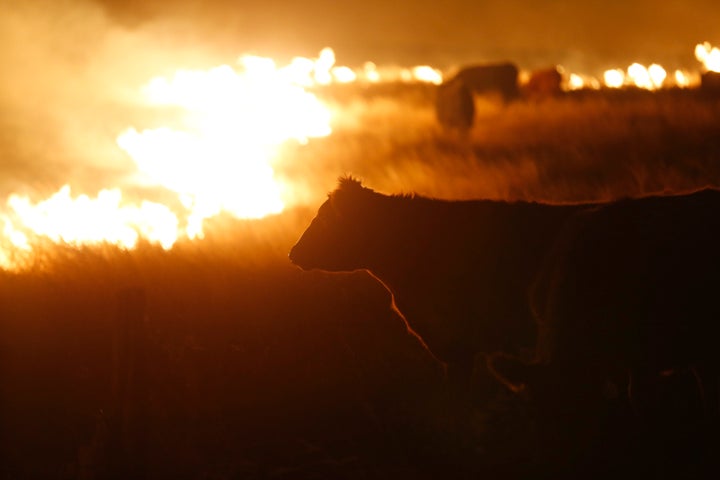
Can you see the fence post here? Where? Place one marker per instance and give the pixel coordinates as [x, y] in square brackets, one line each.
[129, 387]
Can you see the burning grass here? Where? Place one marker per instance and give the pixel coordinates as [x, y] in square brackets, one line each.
[255, 369]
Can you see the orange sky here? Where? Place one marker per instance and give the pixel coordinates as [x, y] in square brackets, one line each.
[422, 30]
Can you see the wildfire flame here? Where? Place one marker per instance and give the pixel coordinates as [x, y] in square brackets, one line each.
[614, 78]
[84, 220]
[636, 75]
[578, 82]
[233, 121]
[709, 56]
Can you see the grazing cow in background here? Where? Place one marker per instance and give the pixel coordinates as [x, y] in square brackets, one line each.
[629, 292]
[455, 106]
[455, 97]
[499, 78]
[544, 83]
[459, 271]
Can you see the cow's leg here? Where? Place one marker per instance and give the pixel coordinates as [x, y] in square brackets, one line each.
[674, 394]
[708, 383]
[459, 373]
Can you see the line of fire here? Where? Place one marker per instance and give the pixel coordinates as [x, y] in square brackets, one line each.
[216, 155]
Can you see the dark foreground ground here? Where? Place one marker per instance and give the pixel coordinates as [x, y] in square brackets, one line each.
[239, 371]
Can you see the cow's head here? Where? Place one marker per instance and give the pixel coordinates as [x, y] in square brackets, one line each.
[343, 231]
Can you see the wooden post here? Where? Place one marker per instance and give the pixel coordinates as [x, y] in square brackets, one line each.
[130, 385]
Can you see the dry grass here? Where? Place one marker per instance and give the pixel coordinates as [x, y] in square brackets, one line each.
[600, 145]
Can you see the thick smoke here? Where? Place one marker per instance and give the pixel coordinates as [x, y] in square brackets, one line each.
[71, 82]
[588, 34]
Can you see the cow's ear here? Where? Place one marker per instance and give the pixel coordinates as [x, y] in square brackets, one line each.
[351, 198]
[511, 371]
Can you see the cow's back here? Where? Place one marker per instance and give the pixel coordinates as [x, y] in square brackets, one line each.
[501, 78]
[454, 106]
[629, 293]
[635, 283]
[543, 84]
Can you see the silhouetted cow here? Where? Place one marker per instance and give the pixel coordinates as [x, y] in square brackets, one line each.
[630, 291]
[455, 104]
[501, 78]
[459, 271]
[710, 82]
[544, 83]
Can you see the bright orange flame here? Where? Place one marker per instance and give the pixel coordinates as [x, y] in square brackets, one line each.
[83, 221]
[682, 79]
[709, 56]
[578, 82]
[657, 75]
[649, 78]
[637, 75]
[233, 121]
[614, 78]
[371, 72]
[425, 73]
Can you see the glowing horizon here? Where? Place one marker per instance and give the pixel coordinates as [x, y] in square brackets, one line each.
[217, 157]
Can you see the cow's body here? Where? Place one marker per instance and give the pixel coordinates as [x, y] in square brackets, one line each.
[459, 271]
[501, 78]
[630, 292]
[637, 281]
[543, 83]
[455, 107]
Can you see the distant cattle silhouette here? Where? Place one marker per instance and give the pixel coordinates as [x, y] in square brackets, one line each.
[455, 97]
[710, 82]
[455, 106]
[459, 271]
[543, 83]
[629, 293]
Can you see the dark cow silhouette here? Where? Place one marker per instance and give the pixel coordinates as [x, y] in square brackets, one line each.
[501, 78]
[543, 83]
[710, 82]
[459, 271]
[455, 104]
[628, 294]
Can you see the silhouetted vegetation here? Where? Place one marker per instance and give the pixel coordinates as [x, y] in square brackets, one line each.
[252, 368]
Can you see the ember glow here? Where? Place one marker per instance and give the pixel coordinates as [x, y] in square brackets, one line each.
[427, 74]
[614, 78]
[234, 122]
[636, 75]
[709, 56]
[83, 220]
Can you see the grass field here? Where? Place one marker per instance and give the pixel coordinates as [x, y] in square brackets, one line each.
[246, 367]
